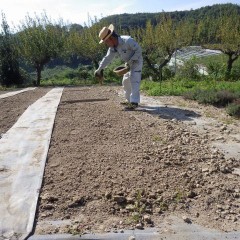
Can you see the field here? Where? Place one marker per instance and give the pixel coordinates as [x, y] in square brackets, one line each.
[111, 170]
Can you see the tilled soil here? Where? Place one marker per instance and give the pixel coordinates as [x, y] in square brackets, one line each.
[11, 108]
[111, 169]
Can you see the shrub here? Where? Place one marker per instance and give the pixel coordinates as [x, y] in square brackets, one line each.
[216, 70]
[225, 97]
[192, 95]
[189, 70]
[233, 109]
[167, 73]
[235, 74]
[211, 96]
[207, 97]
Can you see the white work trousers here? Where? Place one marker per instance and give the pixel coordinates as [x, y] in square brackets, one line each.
[131, 82]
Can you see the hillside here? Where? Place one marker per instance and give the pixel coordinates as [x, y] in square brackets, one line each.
[127, 20]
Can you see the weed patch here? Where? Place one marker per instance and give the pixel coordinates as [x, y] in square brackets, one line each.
[233, 109]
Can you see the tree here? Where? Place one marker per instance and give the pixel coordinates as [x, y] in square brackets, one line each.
[229, 39]
[140, 19]
[161, 41]
[86, 43]
[75, 28]
[40, 41]
[9, 65]
[225, 38]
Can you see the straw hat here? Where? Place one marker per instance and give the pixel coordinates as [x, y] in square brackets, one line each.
[105, 33]
[121, 70]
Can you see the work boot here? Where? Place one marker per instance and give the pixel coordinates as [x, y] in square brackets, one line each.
[131, 106]
[124, 103]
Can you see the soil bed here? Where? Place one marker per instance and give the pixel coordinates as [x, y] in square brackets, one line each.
[112, 169]
[13, 107]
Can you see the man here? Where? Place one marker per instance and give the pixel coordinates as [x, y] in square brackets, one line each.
[131, 53]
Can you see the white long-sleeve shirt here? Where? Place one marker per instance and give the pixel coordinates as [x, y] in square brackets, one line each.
[128, 50]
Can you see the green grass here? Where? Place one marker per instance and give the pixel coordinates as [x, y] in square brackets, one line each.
[65, 82]
[217, 65]
[218, 59]
[217, 93]
[83, 75]
[180, 87]
[3, 88]
[63, 76]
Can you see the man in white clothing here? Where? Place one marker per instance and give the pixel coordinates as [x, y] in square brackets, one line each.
[131, 53]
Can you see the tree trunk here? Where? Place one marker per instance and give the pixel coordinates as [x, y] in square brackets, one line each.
[231, 59]
[158, 71]
[39, 68]
[229, 66]
[151, 66]
[165, 62]
[95, 64]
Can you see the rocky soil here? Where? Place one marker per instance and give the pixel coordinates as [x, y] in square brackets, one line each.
[110, 170]
[11, 108]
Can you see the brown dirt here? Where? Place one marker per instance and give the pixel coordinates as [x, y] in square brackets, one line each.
[111, 169]
[13, 107]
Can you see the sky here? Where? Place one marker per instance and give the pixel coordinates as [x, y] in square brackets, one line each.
[79, 11]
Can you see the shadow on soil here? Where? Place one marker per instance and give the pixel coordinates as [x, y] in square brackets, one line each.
[170, 112]
[85, 100]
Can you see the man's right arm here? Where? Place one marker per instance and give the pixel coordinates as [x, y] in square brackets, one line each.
[111, 53]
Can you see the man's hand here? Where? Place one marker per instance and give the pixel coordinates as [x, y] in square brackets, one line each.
[96, 73]
[127, 65]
